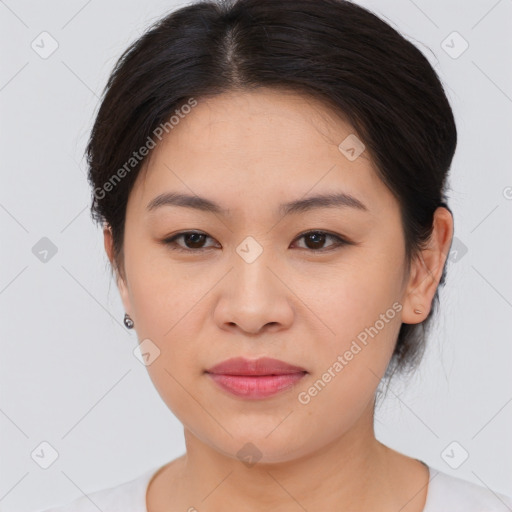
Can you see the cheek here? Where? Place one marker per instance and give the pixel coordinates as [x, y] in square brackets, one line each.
[350, 363]
[166, 300]
[167, 313]
[163, 292]
[166, 305]
[349, 299]
[361, 316]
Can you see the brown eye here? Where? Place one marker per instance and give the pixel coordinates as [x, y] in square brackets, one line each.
[194, 241]
[315, 241]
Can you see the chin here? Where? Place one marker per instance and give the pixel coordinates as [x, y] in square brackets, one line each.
[262, 448]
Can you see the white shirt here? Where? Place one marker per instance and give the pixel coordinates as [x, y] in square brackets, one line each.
[445, 493]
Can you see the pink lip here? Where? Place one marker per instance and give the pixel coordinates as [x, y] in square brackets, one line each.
[261, 366]
[257, 378]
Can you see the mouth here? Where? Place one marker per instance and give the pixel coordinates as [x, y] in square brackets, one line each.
[257, 378]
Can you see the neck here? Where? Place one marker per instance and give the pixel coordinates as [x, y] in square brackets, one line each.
[351, 473]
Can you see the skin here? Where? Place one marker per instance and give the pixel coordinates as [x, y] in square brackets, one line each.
[249, 152]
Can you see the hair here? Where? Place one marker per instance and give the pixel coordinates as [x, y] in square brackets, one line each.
[334, 50]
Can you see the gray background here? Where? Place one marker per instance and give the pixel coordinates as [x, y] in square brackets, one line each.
[68, 374]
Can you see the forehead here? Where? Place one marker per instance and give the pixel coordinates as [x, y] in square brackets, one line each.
[264, 121]
[259, 146]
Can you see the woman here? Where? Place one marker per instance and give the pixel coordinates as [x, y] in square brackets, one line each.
[271, 178]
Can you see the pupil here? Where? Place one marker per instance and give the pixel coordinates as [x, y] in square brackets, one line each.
[314, 235]
[192, 235]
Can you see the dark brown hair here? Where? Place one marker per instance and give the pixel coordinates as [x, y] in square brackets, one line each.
[335, 50]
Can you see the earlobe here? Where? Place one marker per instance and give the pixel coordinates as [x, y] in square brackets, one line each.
[427, 269]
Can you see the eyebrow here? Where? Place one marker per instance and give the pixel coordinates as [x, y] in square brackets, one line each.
[329, 200]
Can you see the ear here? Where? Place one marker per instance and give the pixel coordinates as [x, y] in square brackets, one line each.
[108, 241]
[427, 268]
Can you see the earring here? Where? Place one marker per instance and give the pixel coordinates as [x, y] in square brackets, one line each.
[418, 311]
[128, 322]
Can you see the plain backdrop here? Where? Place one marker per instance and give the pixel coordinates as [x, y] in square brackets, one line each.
[68, 374]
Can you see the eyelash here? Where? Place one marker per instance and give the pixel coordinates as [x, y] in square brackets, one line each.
[171, 241]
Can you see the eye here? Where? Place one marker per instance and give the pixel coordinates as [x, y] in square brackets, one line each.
[194, 241]
[317, 238]
[194, 238]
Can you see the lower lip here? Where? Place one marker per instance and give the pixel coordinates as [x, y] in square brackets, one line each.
[257, 386]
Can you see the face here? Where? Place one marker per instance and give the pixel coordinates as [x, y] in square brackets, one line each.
[254, 281]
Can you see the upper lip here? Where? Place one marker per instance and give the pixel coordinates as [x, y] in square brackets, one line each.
[261, 366]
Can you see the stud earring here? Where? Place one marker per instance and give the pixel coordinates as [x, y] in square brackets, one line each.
[418, 311]
[128, 322]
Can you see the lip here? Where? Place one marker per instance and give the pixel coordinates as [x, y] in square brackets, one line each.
[255, 378]
[261, 366]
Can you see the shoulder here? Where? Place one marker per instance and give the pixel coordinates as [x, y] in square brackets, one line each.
[447, 493]
[127, 497]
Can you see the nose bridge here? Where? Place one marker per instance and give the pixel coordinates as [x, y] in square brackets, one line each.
[251, 262]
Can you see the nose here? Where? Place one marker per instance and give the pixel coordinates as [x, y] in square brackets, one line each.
[254, 297]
